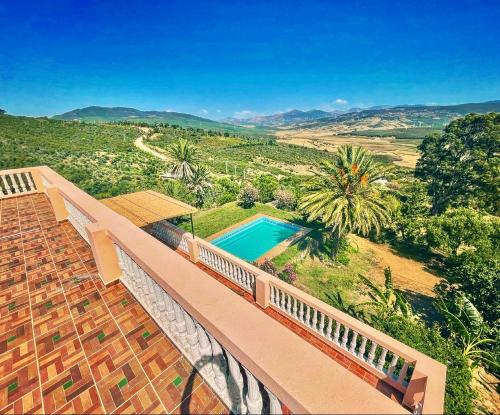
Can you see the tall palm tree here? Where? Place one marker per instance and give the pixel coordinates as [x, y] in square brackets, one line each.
[343, 195]
[184, 158]
[200, 184]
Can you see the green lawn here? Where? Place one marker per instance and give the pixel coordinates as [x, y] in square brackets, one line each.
[208, 222]
[315, 277]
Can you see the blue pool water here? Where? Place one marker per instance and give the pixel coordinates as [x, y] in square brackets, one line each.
[252, 240]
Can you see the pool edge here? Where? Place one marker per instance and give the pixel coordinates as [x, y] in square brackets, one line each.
[274, 251]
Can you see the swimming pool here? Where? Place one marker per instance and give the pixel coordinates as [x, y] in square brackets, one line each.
[253, 239]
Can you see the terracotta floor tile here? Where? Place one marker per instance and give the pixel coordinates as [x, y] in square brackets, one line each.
[30, 403]
[62, 358]
[159, 357]
[17, 357]
[87, 402]
[110, 358]
[176, 383]
[55, 338]
[66, 386]
[116, 388]
[14, 337]
[17, 384]
[144, 335]
[101, 336]
[143, 402]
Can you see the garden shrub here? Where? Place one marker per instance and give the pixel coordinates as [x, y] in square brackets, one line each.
[268, 267]
[284, 199]
[288, 274]
[248, 196]
[266, 184]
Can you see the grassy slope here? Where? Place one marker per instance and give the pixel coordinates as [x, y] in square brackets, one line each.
[101, 159]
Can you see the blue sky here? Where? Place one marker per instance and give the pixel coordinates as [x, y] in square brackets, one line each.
[226, 58]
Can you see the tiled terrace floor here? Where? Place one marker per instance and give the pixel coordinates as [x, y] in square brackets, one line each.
[68, 344]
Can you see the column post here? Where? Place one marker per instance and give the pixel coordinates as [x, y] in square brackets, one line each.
[262, 290]
[57, 202]
[104, 252]
[194, 249]
[37, 180]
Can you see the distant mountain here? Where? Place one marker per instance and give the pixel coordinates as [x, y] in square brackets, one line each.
[108, 114]
[283, 118]
[402, 116]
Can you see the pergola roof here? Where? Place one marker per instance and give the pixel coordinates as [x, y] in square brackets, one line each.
[143, 208]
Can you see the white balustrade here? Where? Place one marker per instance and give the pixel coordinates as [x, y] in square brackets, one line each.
[77, 218]
[225, 264]
[170, 234]
[12, 184]
[353, 342]
[237, 387]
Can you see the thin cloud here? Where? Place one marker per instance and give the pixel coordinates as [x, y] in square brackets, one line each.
[341, 101]
[204, 111]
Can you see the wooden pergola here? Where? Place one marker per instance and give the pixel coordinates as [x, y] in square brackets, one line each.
[147, 207]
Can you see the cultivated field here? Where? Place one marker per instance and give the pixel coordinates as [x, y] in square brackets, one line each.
[402, 152]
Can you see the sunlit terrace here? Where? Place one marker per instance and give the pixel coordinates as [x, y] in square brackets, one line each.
[100, 315]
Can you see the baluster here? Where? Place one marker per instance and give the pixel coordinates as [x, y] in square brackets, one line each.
[371, 355]
[352, 347]
[344, 338]
[337, 332]
[254, 397]
[235, 370]
[271, 294]
[308, 315]
[402, 372]
[6, 185]
[315, 320]
[294, 311]
[219, 364]
[14, 184]
[205, 350]
[381, 360]
[169, 306]
[329, 329]
[30, 181]
[289, 304]
[180, 326]
[274, 404]
[393, 364]
[21, 182]
[301, 312]
[322, 324]
[282, 303]
[192, 336]
[362, 348]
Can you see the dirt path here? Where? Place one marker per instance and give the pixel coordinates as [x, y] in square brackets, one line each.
[408, 274]
[139, 143]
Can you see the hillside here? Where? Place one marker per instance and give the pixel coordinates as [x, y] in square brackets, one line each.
[109, 114]
[404, 116]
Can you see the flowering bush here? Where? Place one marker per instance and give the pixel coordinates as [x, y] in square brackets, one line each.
[248, 196]
[284, 199]
[268, 267]
[288, 274]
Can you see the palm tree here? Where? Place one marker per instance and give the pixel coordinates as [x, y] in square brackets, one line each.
[343, 195]
[184, 158]
[200, 184]
[387, 300]
[467, 327]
